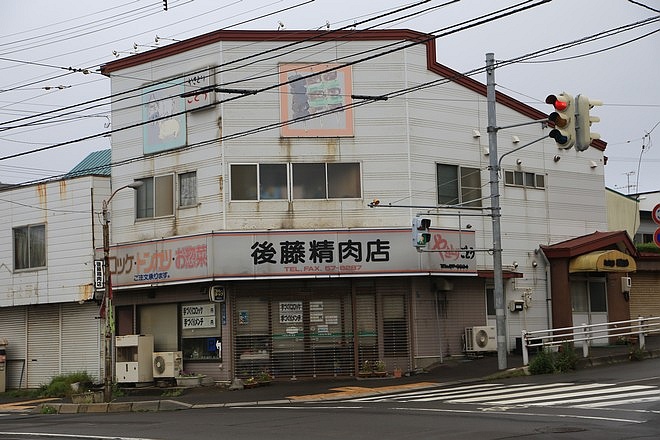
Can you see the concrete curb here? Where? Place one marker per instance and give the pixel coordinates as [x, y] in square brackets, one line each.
[339, 394]
[112, 407]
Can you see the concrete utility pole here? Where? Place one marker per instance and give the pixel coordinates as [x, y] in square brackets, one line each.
[495, 213]
[108, 320]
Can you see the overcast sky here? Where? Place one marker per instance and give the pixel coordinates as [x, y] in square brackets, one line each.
[41, 39]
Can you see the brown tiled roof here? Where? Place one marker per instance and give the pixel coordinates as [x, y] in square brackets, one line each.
[591, 242]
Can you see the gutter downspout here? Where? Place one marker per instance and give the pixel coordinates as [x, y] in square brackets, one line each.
[548, 287]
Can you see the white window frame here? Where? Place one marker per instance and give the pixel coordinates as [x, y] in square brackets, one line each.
[154, 197]
[29, 244]
[290, 191]
[189, 200]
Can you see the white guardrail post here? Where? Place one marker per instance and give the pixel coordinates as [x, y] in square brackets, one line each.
[585, 342]
[642, 341]
[525, 353]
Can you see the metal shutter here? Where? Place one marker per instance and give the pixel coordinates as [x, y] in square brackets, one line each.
[81, 349]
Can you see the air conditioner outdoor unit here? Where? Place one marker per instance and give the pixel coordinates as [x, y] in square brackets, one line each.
[167, 364]
[480, 338]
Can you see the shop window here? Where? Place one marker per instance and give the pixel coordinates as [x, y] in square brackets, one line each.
[29, 247]
[188, 189]
[458, 185]
[155, 198]
[201, 332]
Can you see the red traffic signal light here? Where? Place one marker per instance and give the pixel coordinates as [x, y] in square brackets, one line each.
[563, 119]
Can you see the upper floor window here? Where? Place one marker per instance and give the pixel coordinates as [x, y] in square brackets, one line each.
[188, 189]
[155, 198]
[458, 185]
[29, 247]
[300, 180]
[524, 179]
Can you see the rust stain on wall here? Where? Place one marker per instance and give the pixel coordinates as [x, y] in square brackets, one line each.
[85, 292]
[42, 194]
[62, 184]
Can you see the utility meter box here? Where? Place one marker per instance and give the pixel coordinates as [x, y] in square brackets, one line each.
[516, 306]
[626, 284]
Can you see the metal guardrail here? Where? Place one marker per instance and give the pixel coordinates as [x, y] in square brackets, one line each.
[586, 333]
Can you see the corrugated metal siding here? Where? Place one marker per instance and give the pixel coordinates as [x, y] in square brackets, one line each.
[81, 349]
[465, 306]
[13, 325]
[645, 295]
[43, 359]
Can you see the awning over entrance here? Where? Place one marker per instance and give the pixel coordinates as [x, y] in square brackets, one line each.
[602, 261]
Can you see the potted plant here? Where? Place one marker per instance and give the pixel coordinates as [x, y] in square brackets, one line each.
[188, 379]
[250, 382]
[365, 369]
[264, 378]
[379, 368]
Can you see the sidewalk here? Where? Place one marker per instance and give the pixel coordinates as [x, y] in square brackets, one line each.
[451, 371]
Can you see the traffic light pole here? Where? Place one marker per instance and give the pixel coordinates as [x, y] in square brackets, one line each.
[496, 213]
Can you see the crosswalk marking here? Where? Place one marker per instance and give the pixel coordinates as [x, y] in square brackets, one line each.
[594, 395]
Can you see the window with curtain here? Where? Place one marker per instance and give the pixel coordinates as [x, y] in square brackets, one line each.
[188, 189]
[29, 247]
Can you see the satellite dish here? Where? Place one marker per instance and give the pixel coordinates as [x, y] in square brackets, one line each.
[159, 364]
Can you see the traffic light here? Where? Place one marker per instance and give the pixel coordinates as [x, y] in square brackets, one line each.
[420, 232]
[564, 119]
[583, 120]
[164, 5]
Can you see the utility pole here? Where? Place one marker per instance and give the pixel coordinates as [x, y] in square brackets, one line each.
[495, 213]
[108, 321]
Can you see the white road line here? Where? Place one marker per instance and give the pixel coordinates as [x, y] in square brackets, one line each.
[447, 391]
[562, 398]
[531, 393]
[91, 437]
[520, 390]
[509, 413]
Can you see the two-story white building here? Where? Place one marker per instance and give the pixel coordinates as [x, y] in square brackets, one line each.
[261, 155]
[49, 308]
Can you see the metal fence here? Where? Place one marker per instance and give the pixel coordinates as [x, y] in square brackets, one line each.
[631, 331]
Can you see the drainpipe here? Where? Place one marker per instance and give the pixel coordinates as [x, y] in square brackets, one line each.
[548, 287]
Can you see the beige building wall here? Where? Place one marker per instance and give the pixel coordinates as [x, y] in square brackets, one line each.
[622, 212]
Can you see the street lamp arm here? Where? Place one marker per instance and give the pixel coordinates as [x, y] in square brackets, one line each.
[499, 163]
[135, 185]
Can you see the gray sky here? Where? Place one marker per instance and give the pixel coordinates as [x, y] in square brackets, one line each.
[42, 38]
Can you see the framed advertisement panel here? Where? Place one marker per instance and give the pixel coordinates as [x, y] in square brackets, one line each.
[315, 100]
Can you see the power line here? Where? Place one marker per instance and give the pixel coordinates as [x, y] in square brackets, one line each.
[169, 80]
[271, 126]
[538, 53]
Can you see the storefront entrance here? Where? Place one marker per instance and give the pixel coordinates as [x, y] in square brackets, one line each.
[307, 329]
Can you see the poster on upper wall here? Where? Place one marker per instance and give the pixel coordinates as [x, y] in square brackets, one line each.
[164, 117]
[315, 100]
